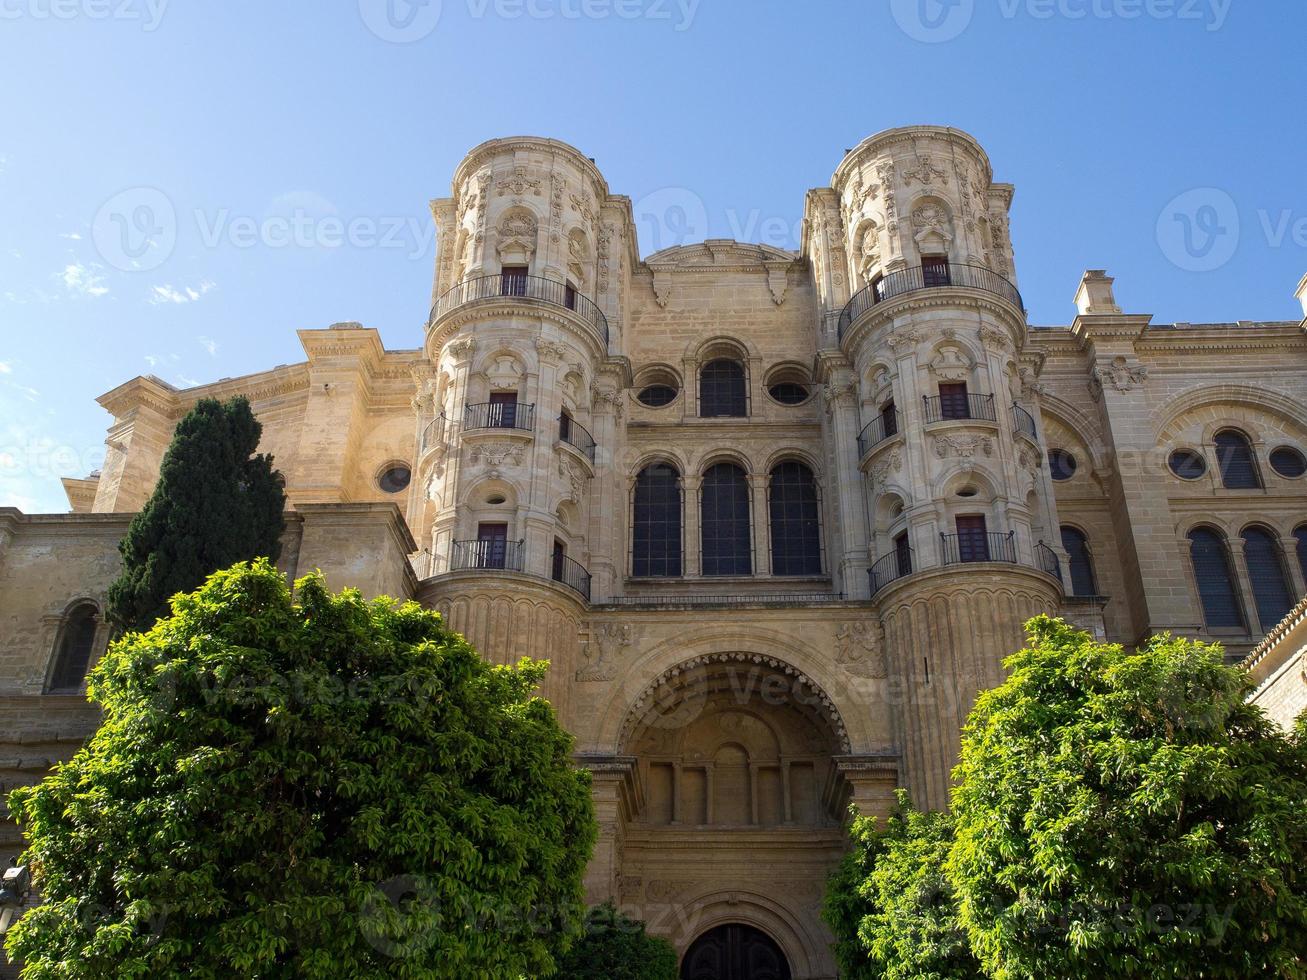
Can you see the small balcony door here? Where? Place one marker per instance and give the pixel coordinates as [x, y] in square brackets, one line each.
[569, 296]
[953, 401]
[560, 553]
[903, 554]
[973, 541]
[503, 410]
[512, 280]
[934, 271]
[889, 422]
[492, 545]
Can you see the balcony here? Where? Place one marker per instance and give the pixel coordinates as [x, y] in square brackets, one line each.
[493, 554]
[572, 574]
[978, 546]
[433, 433]
[893, 566]
[882, 427]
[500, 415]
[577, 436]
[1024, 423]
[913, 280]
[513, 286]
[963, 549]
[940, 408]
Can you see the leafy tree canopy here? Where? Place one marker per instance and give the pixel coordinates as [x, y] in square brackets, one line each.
[329, 788]
[216, 503]
[616, 947]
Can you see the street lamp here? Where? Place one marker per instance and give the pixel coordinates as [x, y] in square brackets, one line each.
[14, 889]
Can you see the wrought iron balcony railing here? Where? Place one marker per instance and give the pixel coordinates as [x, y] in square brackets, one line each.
[511, 284]
[893, 566]
[1024, 422]
[917, 278]
[572, 574]
[575, 434]
[433, 433]
[876, 431]
[1046, 560]
[491, 554]
[941, 408]
[499, 415]
[977, 546]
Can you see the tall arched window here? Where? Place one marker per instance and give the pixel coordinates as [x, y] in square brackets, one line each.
[1215, 579]
[1234, 454]
[1300, 533]
[656, 522]
[1267, 576]
[724, 521]
[795, 520]
[1076, 544]
[73, 656]
[722, 390]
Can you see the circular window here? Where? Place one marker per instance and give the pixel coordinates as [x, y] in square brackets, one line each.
[967, 492]
[1061, 464]
[495, 499]
[1287, 461]
[789, 393]
[1187, 464]
[395, 479]
[656, 396]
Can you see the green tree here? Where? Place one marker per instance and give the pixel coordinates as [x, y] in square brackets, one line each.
[216, 503]
[1129, 815]
[329, 788]
[891, 906]
[616, 947]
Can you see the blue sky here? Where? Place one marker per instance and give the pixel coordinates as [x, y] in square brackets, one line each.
[167, 133]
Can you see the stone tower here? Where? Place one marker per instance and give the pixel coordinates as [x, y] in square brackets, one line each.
[933, 424]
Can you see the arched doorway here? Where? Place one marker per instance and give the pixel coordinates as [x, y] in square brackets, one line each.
[735, 952]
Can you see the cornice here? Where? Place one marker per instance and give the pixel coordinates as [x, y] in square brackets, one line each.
[949, 298]
[442, 330]
[909, 135]
[144, 390]
[482, 152]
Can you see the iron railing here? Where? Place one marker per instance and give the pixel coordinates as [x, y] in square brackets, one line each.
[433, 432]
[1024, 422]
[500, 285]
[498, 415]
[974, 546]
[1046, 560]
[916, 278]
[733, 599]
[572, 574]
[492, 553]
[575, 434]
[943, 408]
[893, 566]
[876, 431]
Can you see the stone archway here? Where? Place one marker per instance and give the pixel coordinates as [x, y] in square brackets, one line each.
[735, 951]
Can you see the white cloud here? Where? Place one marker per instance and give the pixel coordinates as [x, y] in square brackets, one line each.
[187, 294]
[209, 345]
[154, 360]
[72, 236]
[82, 280]
[6, 368]
[188, 382]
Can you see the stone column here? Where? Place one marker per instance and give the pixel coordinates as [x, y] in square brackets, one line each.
[690, 563]
[761, 525]
[846, 490]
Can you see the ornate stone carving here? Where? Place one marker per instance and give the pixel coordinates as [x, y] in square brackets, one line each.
[504, 374]
[606, 399]
[838, 392]
[573, 478]
[517, 230]
[662, 287]
[963, 446]
[926, 172]
[1120, 374]
[900, 340]
[550, 352]
[858, 651]
[993, 338]
[462, 348]
[557, 186]
[880, 473]
[497, 454]
[519, 183]
[951, 364]
[778, 283]
[601, 650]
[582, 205]
[1031, 388]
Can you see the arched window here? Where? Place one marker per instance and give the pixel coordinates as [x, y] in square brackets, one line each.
[1076, 544]
[73, 656]
[724, 521]
[1234, 454]
[1267, 576]
[656, 524]
[795, 521]
[1215, 580]
[722, 390]
[1300, 533]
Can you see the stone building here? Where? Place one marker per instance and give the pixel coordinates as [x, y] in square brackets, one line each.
[775, 518]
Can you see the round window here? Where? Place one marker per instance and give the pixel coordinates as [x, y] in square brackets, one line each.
[656, 396]
[1061, 464]
[1187, 464]
[395, 479]
[789, 393]
[1287, 461]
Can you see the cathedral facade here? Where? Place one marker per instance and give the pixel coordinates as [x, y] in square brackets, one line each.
[775, 518]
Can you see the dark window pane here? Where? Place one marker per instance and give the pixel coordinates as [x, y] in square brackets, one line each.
[722, 390]
[513, 280]
[1215, 581]
[656, 527]
[1288, 462]
[1301, 534]
[903, 554]
[1187, 464]
[889, 420]
[953, 403]
[1234, 454]
[74, 654]
[789, 393]
[1082, 565]
[1061, 464]
[795, 522]
[934, 271]
[724, 521]
[1266, 574]
[395, 480]
[656, 396]
[973, 541]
